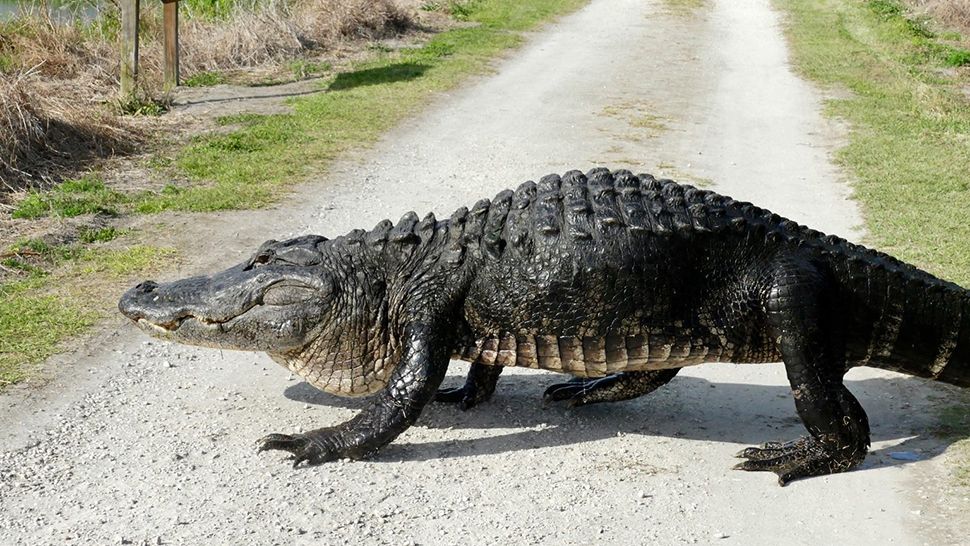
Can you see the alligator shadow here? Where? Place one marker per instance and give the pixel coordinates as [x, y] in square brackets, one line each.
[396, 72]
[900, 412]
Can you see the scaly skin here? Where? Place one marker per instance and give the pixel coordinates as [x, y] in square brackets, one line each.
[616, 279]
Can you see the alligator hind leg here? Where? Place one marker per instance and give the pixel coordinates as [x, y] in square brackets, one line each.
[612, 388]
[478, 387]
[803, 314]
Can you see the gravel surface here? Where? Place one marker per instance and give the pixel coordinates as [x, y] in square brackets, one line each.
[141, 442]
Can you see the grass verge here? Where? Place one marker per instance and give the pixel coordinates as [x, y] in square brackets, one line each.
[908, 149]
[61, 293]
[909, 117]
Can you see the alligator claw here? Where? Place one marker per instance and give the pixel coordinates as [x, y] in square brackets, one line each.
[301, 447]
[800, 458]
[573, 392]
[465, 397]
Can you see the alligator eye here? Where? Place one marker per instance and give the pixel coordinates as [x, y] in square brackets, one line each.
[262, 258]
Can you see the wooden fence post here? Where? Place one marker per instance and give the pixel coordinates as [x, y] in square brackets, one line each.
[171, 24]
[129, 47]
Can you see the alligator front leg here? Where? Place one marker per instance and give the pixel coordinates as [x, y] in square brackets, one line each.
[612, 388]
[392, 411]
[803, 313]
[479, 387]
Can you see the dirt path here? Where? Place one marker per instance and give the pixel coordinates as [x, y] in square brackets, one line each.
[142, 441]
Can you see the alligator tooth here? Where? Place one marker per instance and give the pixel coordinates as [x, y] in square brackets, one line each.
[154, 326]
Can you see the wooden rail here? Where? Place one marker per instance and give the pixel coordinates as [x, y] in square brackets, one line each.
[129, 45]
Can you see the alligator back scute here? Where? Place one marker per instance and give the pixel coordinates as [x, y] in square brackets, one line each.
[518, 224]
[576, 210]
[377, 237]
[547, 210]
[630, 204]
[454, 252]
[493, 242]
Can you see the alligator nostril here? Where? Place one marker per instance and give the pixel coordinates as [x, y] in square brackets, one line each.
[147, 287]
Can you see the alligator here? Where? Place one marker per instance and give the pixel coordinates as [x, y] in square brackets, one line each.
[616, 279]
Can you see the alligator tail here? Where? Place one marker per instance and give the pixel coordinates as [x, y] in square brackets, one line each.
[903, 319]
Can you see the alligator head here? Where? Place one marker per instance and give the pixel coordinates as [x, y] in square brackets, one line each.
[301, 301]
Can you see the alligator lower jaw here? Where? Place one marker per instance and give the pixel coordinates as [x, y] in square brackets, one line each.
[171, 327]
[166, 329]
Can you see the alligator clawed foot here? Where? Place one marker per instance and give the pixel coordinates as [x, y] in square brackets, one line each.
[577, 391]
[466, 397]
[799, 458]
[301, 447]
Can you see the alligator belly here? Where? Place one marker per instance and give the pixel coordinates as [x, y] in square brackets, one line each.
[596, 356]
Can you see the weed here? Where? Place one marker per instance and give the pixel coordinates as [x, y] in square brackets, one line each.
[98, 235]
[205, 78]
[462, 10]
[432, 5]
[302, 68]
[957, 57]
[139, 105]
[51, 72]
[886, 8]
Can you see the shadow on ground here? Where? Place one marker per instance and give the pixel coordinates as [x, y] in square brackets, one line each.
[689, 407]
[373, 76]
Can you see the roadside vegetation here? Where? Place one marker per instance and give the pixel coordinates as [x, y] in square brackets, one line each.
[59, 81]
[60, 290]
[54, 287]
[901, 77]
[901, 84]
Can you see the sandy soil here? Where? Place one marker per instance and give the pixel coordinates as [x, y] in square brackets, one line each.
[137, 441]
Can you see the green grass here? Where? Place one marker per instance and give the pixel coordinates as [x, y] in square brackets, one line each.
[85, 195]
[253, 165]
[63, 298]
[31, 326]
[204, 79]
[909, 139]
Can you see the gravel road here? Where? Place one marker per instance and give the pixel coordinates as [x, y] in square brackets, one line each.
[137, 441]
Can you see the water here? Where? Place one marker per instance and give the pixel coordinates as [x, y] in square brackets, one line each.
[60, 12]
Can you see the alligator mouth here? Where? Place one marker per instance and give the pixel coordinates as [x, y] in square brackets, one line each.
[276, 296]
[174, 325]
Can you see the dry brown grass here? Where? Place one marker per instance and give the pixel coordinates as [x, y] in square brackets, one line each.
[278, 30]
[43, 134]
[58, 107]
[951, 13]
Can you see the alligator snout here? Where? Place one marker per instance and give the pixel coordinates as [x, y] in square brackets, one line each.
[132, 302]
